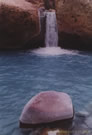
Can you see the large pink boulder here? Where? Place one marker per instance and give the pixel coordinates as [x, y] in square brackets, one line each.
[47, 107]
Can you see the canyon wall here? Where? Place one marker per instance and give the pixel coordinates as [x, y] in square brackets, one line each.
[75, 23]
[20, 25]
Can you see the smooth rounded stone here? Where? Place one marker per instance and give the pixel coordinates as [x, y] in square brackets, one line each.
[46, 107]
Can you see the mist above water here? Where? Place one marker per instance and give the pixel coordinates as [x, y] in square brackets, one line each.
[53, 51]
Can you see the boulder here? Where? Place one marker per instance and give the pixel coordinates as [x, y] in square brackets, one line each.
[19, 23]
[74, 23]
[47, 107]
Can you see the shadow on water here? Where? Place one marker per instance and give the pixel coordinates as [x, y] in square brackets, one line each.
[88, 53]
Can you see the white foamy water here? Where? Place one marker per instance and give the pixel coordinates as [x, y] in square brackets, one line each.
[51, 37]
[53, 51]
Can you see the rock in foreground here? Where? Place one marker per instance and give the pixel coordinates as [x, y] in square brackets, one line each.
[47, 107]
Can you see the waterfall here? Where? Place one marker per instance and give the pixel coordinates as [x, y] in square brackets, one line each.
[51, 37]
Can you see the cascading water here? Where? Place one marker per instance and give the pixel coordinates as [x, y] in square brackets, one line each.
[51, 35]
[51, 38]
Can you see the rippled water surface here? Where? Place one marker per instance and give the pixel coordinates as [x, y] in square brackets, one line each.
[22, 75]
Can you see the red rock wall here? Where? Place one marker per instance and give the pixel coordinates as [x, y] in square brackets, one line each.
[75, 16]
[19, 23]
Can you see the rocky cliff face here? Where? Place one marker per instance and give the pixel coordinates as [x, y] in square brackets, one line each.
[75, 22]
[19, 22]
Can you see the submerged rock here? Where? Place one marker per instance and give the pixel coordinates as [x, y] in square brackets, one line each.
[47, 107]
[82, 125]
[19, 22]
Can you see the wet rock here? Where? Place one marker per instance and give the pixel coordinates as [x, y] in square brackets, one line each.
[19, 23]
[49, 4]
[47, 107]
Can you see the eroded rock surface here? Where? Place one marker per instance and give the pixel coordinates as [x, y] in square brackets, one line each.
[75, 16]
[75, 21]
[19, 22]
